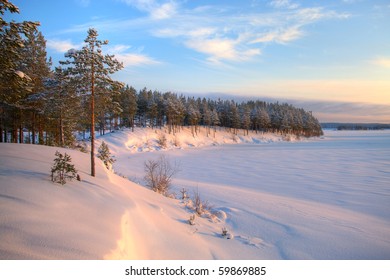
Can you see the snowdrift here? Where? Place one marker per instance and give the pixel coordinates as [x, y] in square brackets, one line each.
[106, 217]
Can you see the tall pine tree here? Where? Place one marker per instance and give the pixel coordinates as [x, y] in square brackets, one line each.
[92, 70]
[37, 67]
[14, 83]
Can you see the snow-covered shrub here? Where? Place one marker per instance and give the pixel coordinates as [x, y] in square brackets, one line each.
[200, 206]
[162, 141]
[105, 155]
[62, 168]
[191, 220]
[235, 138]
[159, 175]
[287, 138]
[176, 142]
[226, 234]
[184, 194]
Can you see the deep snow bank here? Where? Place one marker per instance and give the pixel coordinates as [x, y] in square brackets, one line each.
[150, 139]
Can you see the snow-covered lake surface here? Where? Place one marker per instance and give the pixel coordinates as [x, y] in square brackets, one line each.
[323, 198]
[319, 198]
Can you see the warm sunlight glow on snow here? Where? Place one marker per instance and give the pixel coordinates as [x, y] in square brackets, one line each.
[126, 246]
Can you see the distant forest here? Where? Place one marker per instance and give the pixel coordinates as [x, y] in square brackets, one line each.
[355, 126]
[42, 104]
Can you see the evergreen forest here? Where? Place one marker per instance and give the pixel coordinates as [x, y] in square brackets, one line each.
[42, 104]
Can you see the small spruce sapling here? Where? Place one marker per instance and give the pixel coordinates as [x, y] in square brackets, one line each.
[105, 155]
[191, 220]
[200, 206]
[62, 168]
[226, 234]
[184, 194]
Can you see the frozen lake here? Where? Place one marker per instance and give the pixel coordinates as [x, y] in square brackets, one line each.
[319, 198]
[350, 169]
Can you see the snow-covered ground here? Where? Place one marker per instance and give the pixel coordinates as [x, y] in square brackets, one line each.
[324, 198]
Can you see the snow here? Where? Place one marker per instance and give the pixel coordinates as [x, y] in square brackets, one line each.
[20, 74]
[323, 198]
[146, 139]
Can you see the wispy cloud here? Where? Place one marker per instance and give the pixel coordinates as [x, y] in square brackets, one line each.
[135, 59]
[130, 57]
[218, 49]
[155, 9]
[83, 3]
[381, 61]
[221, 33]
[61, 46]
[123, 53]
[285, 4]
[289, 26]
[283, 36]
[350, 1]
[224, 35]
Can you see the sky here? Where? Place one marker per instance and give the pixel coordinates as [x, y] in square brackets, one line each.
[331, 56]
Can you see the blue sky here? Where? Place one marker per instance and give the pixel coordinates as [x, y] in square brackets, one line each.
[321, 54]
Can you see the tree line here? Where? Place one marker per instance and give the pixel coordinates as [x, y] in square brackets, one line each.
[157, 109]
[42, 104]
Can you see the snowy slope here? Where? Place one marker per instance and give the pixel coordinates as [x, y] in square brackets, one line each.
[301, 215]
[104, 217]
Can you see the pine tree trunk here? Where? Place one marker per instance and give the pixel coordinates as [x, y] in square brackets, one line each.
[92, 121]
[1, 128]
[33, 128]
[14, 133]
[62, 138]
[21, 134]
[21, 140]
[40, 131]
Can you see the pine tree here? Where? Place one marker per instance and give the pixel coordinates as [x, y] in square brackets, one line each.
[245, 119]
[37, 67]
[234, 115]
[193, 115]
[92, 70]
[14, 83]
[128, 103]
[174, 111]
[264, 120]
[215, 120]
[206, 115]
[62, 169]
[105, 155]
[143, 99]
[62, 108]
